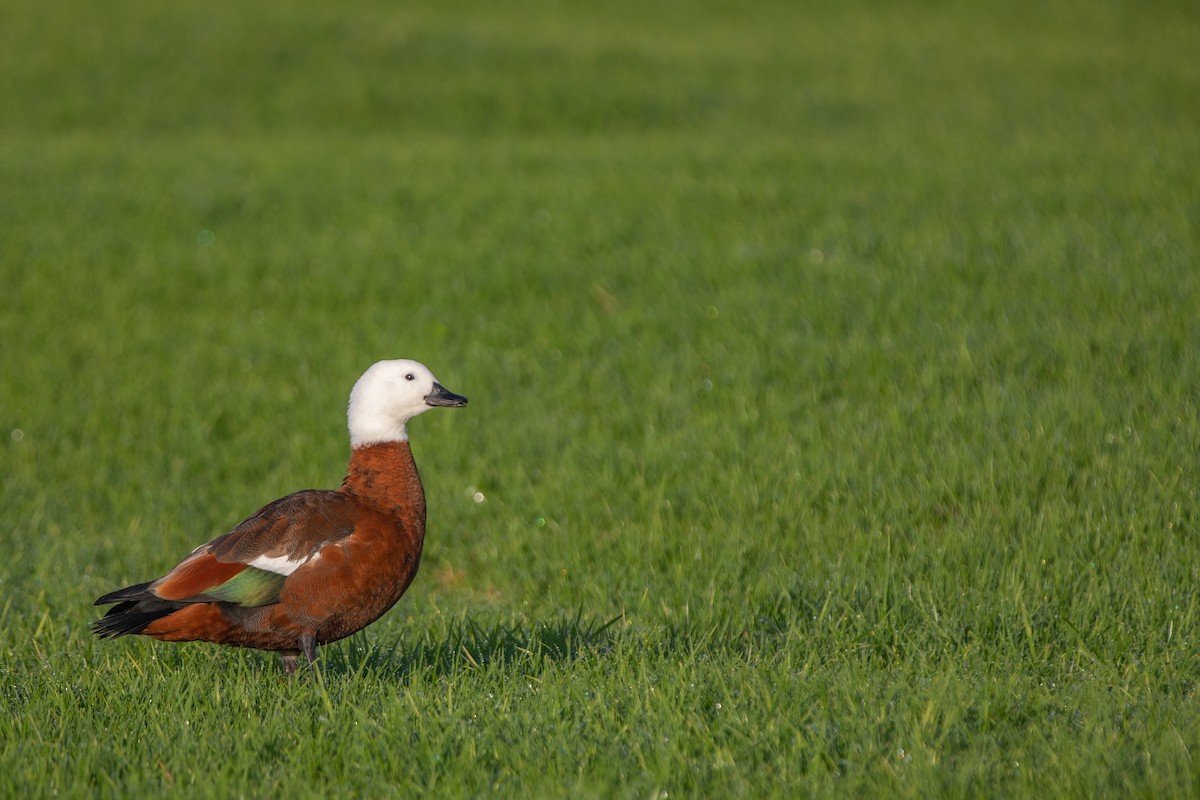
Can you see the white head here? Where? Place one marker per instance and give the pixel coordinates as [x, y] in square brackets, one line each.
[388, 395]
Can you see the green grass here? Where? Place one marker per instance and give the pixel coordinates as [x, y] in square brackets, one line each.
[833, 372]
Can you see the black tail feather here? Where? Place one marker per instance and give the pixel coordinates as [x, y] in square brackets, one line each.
[135, 609]
[136, 592]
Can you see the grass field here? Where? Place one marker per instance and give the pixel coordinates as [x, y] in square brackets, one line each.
[834, 374]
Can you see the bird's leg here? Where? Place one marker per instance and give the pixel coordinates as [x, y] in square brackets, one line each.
[308, 643]
[289, 661]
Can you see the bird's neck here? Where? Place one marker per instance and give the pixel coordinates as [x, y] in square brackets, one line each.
[385, 475]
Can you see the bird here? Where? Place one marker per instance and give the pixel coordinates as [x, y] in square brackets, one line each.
[317, 565]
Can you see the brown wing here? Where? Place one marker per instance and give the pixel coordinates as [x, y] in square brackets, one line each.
[287, 532]
[294, 527]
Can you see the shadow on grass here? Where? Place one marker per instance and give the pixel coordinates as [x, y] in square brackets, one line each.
[469, 645]
[466, 644]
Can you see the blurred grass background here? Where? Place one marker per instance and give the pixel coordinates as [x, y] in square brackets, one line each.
[843, 354]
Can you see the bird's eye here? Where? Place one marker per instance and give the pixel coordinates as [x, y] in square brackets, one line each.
[410, 377]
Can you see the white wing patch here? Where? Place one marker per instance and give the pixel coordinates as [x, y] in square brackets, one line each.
[280, 565]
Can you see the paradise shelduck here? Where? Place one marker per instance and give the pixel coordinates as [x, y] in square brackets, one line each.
[317, 565]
